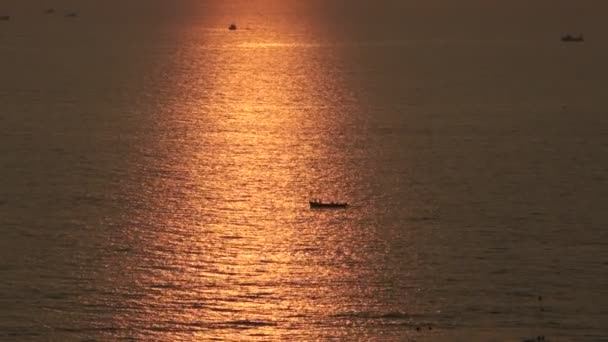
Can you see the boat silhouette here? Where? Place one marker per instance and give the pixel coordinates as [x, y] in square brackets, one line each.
[571, 38]
[318, 204]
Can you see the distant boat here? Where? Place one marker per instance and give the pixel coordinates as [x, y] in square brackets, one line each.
[71, 15]
[571, 38]
[49, 10]
[318, 204]
[232, 27]
[5, 17]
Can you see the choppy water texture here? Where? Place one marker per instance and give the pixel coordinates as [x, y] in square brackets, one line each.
[155, 171]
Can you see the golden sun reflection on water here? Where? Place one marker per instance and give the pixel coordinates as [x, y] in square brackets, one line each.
[238, 140]
[237, 148]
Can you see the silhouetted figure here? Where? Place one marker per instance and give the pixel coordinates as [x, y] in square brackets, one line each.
[540, 303]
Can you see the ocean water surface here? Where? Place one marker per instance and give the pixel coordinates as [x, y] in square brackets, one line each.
[155, 171]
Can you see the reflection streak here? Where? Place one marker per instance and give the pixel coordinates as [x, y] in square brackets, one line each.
[227, 246]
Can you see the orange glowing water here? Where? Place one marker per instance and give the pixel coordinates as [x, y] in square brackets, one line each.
[156, 167]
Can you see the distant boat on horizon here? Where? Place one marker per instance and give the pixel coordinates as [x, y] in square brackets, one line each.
[571, 38]
[5, 17]
[232, 27]
[71, 15]
[49, 11]
[318, 204]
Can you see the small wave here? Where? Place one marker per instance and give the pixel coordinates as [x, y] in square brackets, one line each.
[59, 295]
[88, 199]
[163, 286]
[123, 249]
[375, 315]
[254, 296]
[223, 309]
[161, 267]
[197, 306]
[297, 315]
[88, 329]
[250, 323]
[421, 218]
[20, 332]
[215, 272]
[395, 315]
[231, 237]
[260, 334]
[307, 249]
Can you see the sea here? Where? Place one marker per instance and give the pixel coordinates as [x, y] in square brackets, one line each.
[156, 168]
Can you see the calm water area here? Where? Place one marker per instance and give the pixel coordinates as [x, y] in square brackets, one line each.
[156, 167]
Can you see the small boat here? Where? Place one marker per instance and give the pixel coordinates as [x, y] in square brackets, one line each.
[49, 11]
[232, 27]
[5, 17]
[71, 15]
[571, 38]
[318, 204]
